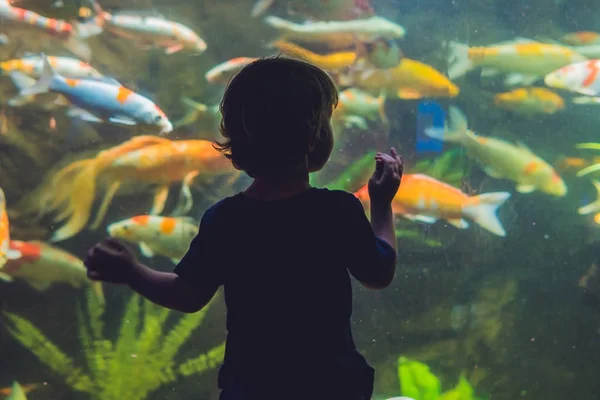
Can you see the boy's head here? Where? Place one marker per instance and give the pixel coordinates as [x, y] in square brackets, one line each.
[276, 118]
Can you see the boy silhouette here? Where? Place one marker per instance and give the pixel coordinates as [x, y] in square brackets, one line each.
[283, 250]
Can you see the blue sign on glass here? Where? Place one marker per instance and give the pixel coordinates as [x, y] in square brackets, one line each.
[429, 115]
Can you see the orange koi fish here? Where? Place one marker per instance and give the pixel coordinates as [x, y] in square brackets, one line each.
[530, 101]
[42, 265]
[331, 62]
[501, 159]
[410, 79]
[165, 236]
[582, 38]
[425, 199]
[523, 60]
[575, 164]
[6, 253]
[223, 72]
[141, 160]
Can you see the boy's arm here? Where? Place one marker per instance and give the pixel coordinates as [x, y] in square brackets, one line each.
[169, 290]
[371, 248]
[382, 222]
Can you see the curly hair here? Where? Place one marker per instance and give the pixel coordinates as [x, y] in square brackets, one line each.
[276, 117]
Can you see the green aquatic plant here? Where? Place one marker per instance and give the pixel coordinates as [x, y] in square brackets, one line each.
[419, 383]
[136, 364]
[450, 167]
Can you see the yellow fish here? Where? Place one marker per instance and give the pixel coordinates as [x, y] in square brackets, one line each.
[502, 160]
[530, 101]
[410, 79]
[332, 61]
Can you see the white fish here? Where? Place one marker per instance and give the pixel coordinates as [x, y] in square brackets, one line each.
[98, 101]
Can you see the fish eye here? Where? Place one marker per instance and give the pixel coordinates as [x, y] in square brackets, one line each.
[158, 118]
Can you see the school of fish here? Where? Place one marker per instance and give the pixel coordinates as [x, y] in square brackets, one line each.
[361, 50]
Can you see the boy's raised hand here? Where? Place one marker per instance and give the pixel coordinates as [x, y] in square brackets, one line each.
[385, 181]
[110, 261]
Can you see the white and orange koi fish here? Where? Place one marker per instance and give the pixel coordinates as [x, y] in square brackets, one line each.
[223, 72]
[98, 101]
[524, 61]
[530, 101]
[500, 159]
[33, 65]
[6, 253]
[425, 199]
[15, 19]
[166, 236]
[582, 77]
[140, 161]
[151, 31]
[337, 34]
[41, 265]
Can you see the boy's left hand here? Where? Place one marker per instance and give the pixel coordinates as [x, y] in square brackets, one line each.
[110, 261]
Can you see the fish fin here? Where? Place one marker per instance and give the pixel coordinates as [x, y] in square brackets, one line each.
[40, 286]
[492, 172]
[522, 146]
[593, 206]
[43, 85]
[173, 49]
[146, 250]
[409, 94]
[160, 198]
[5, 277]
[525, 188]
[12, 254]
[489, 72]
[482, 210]
[456, 130]
[459, 60]
[381, 98]
[175, 260]
[420, 218]
[80, 113]
[459, 223]
[19, 101]
[586, 99]
[122, 120]
[21, 80]
[260, 6]
[280, 23]
[88, 29]
[515, 79]
[78, 47]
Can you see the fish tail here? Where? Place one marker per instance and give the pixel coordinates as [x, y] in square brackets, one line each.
[279, 23]
[482, 210]
[593, 206]
[193, 111]
[45, 82]
[382, 114]
[260, 6]
[80, 200]
[455, 130]
[460, 63]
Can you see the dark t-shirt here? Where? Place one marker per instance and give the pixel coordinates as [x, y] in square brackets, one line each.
[285, 268]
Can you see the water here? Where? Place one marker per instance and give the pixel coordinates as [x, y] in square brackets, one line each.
[516, 316]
